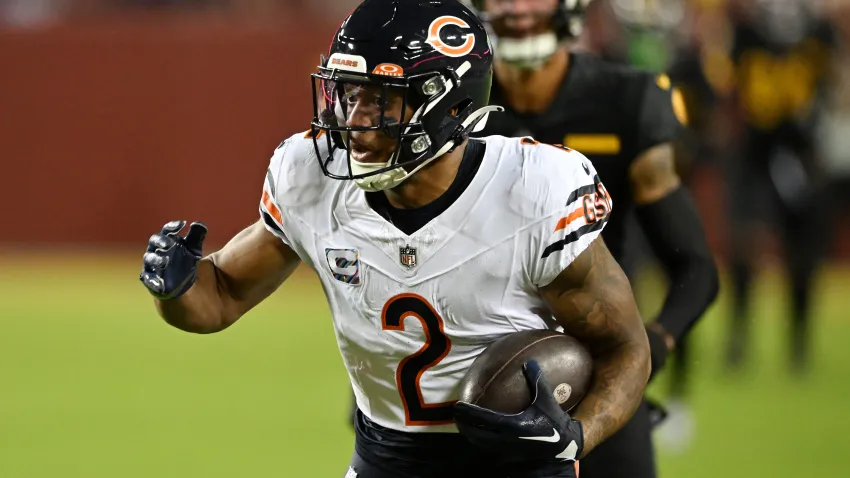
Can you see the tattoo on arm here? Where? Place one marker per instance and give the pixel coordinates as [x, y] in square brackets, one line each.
[653, 174]
[593, 301]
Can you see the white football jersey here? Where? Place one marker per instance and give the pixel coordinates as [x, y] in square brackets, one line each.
[412, 312]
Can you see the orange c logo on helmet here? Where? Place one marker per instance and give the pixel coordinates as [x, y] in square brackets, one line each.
[444, 48]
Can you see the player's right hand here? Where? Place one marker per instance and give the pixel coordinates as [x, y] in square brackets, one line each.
[171, 259]
[542, 431]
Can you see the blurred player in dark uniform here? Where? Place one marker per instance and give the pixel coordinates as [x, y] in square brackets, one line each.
[780, 52]
[625, 121]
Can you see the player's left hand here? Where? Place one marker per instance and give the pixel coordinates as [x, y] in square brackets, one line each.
[541, 431]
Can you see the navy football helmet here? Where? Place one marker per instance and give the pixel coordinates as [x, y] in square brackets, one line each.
[433, 57]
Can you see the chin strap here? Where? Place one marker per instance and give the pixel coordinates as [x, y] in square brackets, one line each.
[392, 178]
[483, 114]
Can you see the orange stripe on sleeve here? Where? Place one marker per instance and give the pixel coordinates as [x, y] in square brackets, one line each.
[566, 221]
[271, 207]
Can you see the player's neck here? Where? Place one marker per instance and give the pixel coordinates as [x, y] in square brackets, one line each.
[533, 91]
[429, 183]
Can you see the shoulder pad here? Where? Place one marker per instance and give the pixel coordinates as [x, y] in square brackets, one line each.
[552, 177]
[294, 174]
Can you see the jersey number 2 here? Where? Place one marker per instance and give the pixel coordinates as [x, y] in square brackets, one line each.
[411, 368]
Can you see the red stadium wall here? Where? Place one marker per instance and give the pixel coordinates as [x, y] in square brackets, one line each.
[109, 129]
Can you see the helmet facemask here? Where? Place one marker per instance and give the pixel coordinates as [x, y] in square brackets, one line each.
[442, 119]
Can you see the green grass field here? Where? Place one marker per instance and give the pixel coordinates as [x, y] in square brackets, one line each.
[93, 384]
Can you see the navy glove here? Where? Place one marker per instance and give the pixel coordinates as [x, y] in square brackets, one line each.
[542, 431]
[171, 260]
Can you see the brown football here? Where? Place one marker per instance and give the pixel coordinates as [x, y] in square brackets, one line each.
[496, 381]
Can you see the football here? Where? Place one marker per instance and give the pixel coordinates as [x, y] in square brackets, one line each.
[496, 381]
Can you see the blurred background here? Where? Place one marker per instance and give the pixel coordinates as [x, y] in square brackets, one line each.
[117, 116]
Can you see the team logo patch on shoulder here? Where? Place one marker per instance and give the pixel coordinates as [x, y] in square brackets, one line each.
[344, 265]
[407, 256]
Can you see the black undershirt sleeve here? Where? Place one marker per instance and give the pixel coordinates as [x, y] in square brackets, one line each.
[673, 228]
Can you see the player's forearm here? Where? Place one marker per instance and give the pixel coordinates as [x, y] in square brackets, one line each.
[694, 285]
[619, 379]
[601, 312]
[201, 309]
[675, 233]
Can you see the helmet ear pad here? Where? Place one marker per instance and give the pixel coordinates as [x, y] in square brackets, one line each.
[444, 120]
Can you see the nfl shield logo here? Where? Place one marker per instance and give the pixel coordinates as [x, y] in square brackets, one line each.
[407, 256]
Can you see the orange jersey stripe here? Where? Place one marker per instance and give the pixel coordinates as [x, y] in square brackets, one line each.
[566, 221]
[271, 207]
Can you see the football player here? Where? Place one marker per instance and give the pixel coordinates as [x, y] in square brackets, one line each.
[429, 246]
[625, 121]
[781, 52]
